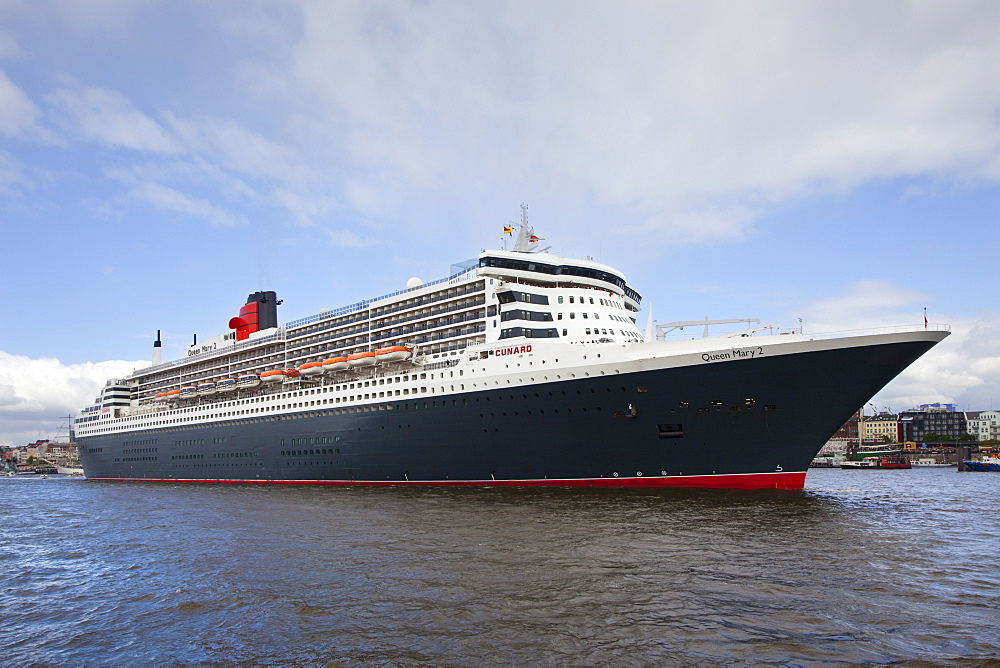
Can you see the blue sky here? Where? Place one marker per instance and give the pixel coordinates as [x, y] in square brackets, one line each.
[834, 161]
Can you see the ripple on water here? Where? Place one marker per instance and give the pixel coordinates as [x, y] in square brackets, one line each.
[859, 570]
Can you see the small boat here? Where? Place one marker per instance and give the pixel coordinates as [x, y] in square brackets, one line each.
[311, 368]
[393, 354]
[206, 389]
[358, 360]
[273, 376]
[226, 385]
[878, 463]
[984, 464]
[929, 462]
[172, 395]
[188, 392]
[335, 364]
[248, 380]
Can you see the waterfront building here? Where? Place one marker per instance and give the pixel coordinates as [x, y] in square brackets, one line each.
[940, 419]
[983, 424]
[884, 427]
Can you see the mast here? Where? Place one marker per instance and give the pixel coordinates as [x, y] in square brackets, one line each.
[526, 241]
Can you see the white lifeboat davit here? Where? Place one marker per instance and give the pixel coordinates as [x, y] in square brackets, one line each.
[335, 364]
[393, 354]
[358, 360]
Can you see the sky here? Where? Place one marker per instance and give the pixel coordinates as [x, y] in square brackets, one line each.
[835, 161]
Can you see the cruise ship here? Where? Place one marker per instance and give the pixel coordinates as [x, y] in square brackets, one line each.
[521, 368]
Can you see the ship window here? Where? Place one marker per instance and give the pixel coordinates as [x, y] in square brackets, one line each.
[571, 299]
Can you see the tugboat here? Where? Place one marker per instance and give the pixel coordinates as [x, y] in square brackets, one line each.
[984, 464]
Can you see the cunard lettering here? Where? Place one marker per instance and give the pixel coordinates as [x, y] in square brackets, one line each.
[516, 350]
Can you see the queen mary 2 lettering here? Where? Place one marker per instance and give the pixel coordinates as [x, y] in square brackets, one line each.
[524, 368]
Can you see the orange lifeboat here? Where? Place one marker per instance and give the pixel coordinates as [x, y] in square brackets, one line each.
[172, 395]
[336, 364]
[358, 360]
[311, 368]
[393, 354]
[291, 373]
[273, 376]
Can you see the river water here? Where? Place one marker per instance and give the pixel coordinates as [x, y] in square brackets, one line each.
[862, 567]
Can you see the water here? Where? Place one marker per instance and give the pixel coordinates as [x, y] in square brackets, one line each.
[864, 566]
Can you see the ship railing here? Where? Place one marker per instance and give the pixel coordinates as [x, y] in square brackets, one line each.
[279, 335]
[454, 279]
[897, 329]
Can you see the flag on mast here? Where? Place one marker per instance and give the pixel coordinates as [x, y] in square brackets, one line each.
[508, 230]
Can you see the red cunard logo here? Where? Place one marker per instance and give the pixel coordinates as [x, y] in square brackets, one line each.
[513, 351]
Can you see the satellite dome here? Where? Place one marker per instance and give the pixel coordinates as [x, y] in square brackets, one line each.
[414, 283]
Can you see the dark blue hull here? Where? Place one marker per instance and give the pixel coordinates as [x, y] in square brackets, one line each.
[980, 466]
[742, 423]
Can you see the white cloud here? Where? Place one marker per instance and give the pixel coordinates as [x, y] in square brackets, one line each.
[34, 393]
[18, 114]
[11, 173]
[109, 118]
[240, 150]
[963, 369]
[347, 239]
[168, 199]
[665, 108]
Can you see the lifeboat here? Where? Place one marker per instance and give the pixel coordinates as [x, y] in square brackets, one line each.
[336, 364]
[188, 392]
[273, 376]
[311, 368]
[206, 389]
[358, 360]
[247, 380]
[160, 396]
[172, 395]
[393, 354]
[291, 374]
[226, 385]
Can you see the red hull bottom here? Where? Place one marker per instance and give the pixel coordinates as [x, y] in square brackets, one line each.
[787, 481]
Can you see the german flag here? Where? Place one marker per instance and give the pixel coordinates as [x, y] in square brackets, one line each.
[508, 230]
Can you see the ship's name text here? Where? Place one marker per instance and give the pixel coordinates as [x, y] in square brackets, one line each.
[516, 350]
[734, 354]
